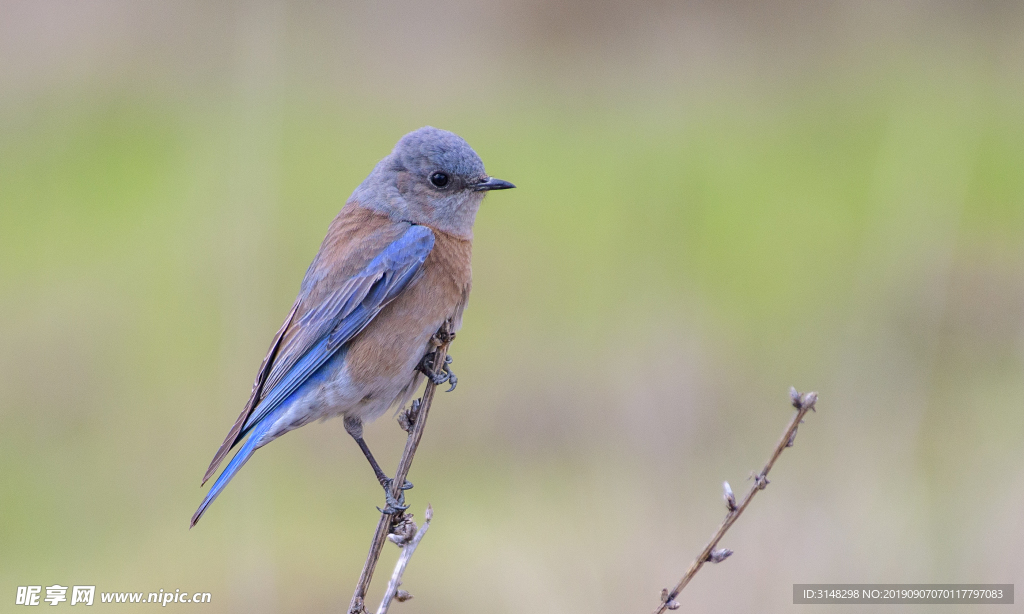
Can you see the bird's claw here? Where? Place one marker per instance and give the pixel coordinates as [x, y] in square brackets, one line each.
[426, 367]
[392, 509]
[393, 505]
[447, 371]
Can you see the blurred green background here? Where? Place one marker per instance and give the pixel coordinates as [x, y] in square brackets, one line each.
[716, 201]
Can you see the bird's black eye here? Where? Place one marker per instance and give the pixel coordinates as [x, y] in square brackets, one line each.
[439, 179]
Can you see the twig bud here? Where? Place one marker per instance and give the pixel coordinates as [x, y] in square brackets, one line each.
[668, 600]
[717, 556]
[407, 417]
[402, 596]
[803, 401]
[402, 531]
[730, 499]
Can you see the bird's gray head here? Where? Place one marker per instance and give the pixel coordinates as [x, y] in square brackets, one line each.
[432, 177]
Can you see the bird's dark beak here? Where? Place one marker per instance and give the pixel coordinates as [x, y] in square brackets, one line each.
[492, 184]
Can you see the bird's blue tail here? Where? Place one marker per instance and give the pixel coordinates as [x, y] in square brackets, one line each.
[236, 463]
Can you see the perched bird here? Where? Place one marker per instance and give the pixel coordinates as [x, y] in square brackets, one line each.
[394, 267]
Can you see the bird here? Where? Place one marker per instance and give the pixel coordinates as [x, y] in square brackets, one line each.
[359, 339]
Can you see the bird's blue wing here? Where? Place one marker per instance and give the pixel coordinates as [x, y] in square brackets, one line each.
[348, 310]
[324, 329]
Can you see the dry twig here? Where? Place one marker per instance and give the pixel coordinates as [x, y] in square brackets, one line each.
[415, 419]
[407, 539]
[803, 403]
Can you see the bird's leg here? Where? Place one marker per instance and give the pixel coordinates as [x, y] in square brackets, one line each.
[354, 427]
[426, 367]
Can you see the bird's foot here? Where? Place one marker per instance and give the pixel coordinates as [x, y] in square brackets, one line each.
[426, 367]
[394, 505]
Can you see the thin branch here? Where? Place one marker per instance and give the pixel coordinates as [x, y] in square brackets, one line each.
[408, 545]
[803, 403]
[417, 419]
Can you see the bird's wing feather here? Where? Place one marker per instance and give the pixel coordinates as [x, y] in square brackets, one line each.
[319, 332]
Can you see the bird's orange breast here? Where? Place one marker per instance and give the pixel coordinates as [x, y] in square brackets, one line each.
[395, 341]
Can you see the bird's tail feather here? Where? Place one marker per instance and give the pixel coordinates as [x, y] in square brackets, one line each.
[239, 459]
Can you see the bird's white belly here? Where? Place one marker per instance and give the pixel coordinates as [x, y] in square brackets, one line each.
[338, 395]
